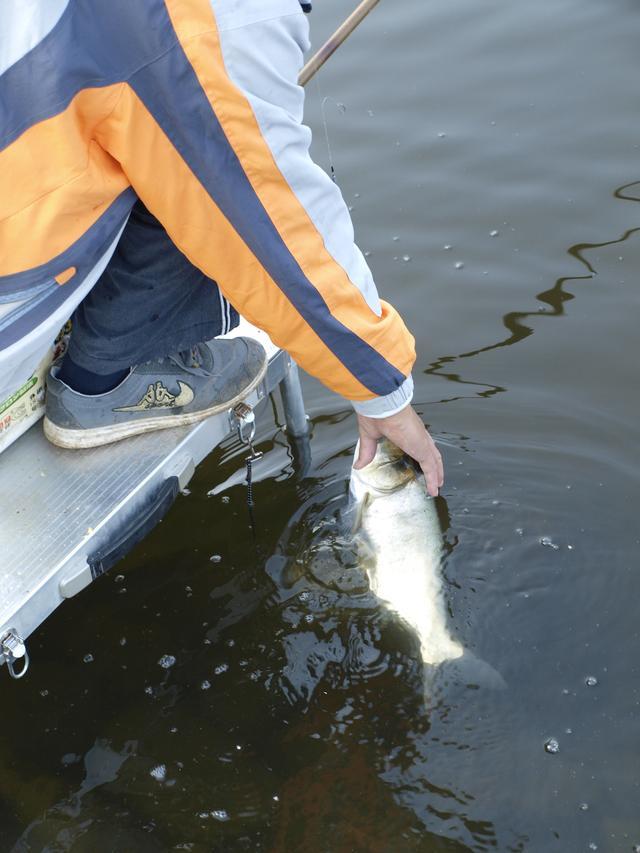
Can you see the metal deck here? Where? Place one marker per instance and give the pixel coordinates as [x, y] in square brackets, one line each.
[66, 516]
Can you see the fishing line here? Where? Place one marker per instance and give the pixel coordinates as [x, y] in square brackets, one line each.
[325, 125]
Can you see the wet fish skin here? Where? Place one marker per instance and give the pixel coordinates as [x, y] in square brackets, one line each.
[399, 523]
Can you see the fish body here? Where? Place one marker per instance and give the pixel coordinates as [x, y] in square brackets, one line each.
[397, 520]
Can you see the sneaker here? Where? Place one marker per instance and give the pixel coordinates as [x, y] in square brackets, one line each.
[174, 391]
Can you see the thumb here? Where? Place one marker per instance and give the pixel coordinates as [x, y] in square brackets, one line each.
[366, 451]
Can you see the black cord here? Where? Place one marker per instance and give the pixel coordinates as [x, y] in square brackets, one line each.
[249, 482]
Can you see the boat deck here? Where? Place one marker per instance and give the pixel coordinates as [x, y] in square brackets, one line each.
[67, 516]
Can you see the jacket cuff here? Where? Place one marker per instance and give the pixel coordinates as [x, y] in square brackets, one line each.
[390, 404]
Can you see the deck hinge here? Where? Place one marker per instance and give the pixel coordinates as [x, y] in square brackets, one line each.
[13, 649]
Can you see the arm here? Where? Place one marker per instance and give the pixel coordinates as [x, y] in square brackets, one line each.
[220, 118]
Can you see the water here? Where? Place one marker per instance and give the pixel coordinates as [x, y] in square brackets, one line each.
[500, 144]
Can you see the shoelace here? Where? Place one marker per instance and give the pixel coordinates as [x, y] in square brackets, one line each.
[189, 359]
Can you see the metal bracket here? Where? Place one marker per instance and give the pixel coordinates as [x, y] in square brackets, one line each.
[245, 422]
[12, 648]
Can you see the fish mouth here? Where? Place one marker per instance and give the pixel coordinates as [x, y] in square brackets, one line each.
[389, 476]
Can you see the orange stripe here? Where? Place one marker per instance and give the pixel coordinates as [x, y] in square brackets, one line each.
[200, 230]
[61, 182]
[66, 275]
[195, 25]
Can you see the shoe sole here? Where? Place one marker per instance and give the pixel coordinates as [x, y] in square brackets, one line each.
[80, 439]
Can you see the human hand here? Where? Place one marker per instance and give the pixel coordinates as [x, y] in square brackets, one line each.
[406, 431]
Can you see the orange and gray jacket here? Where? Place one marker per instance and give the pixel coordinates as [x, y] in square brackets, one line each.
[193, 106]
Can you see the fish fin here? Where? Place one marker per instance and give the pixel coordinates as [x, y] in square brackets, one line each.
[360, 509]
[469, 671]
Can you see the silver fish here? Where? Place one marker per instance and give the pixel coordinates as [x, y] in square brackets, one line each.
[397, 522]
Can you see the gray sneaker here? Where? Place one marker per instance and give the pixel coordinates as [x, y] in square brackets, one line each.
[177, 390]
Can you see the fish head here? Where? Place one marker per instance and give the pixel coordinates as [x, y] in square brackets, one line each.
[389, 471]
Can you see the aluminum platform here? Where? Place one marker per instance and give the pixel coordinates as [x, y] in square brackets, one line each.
[67, 516]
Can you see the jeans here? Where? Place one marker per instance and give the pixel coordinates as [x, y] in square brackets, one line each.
[149, 302]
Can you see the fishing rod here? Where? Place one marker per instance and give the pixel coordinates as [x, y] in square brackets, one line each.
[333, 43]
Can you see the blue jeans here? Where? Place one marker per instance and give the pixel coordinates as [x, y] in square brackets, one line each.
[149, 302]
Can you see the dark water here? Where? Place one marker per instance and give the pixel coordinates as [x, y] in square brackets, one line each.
[292, 718]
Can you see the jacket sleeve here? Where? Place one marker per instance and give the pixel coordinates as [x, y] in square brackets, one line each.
[210, 135]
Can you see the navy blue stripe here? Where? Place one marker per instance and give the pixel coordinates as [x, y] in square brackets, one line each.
[83, 254]
[194, 129]
[29, 321]
[95, 43]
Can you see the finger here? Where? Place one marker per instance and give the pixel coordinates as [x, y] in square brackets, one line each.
[366, 452]
[432, 468]
[432, 481]
[440, 467]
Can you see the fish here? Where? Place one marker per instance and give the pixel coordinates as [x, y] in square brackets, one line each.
[397, 525]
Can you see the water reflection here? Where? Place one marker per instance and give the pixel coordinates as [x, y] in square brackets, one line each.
[514, 321]
[355, 672]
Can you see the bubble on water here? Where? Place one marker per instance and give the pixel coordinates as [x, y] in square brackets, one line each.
[88, 658]
[591, 681]
[173, 730]
[395, 238]
[70, 758]
[186, 492]
[546, 541]
[448, 247]
[568, 731]
[220, 814]
[148, 690]
[459, 265]
[205, 685]
[118, 578]
[552, 746]
[592, 845]
[304, 596]
[441, 135]
[225, 499]
[159, 772]
[584, 807]
[494, 233]
[255, 675]
[565, 691]
[215, 558]
[406, 258]
[44, 693]
[367, 254]
[223, 667]
[166, 661]
[276, 798]
[520, 531]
